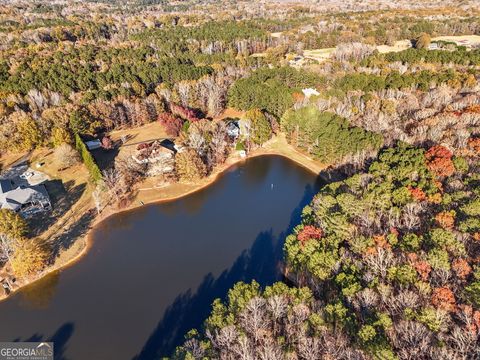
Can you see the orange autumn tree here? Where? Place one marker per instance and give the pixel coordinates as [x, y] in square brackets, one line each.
[462, 268]
[423, 267]
[439, 160]
[417, 193]
[443, 298]
[446, 219]
[474, 145]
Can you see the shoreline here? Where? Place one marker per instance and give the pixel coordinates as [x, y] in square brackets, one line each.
[65, 260]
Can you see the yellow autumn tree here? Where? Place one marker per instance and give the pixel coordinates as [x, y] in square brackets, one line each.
[29, 257]
[28, 133]
[422, 41]
[12, 224]
[60, 136]
[190, 166]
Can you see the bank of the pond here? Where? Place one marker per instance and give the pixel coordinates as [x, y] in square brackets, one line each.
[148, 194]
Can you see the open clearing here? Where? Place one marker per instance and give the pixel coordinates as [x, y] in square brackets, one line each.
[318, 54]
[321, 55]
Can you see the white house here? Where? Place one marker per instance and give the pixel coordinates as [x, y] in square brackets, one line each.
[310, 92]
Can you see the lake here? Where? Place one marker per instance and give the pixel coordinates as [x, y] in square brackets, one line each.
[152, 273]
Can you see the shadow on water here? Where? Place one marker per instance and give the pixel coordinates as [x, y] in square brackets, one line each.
[60, 339]
[39, 294]
[261, 263]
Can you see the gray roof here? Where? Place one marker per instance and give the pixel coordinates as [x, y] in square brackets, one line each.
[5, 185]
[14, 199]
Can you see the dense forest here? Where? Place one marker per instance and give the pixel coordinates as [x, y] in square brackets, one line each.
[385, 263]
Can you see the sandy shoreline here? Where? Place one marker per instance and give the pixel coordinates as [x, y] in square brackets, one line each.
[277, 146]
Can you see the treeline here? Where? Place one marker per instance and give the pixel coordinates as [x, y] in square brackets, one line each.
[459, 56]
[326, 136]
[124, 71]
[389, 258]
[225, 31]
[271, 89]
[421, 80]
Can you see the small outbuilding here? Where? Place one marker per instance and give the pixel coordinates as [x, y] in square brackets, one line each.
[93, 144]
[310, 92]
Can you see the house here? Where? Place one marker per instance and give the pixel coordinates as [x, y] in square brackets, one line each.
[233, 129]
[153, 152]
[26, 200]
[310, 92]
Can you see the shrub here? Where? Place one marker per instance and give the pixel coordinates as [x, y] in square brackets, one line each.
[66, 156]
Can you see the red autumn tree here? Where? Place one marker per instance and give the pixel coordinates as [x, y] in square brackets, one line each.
[107, 143]
[461, 268]
[423, 267]
[439, 160]
[476, 319]
[443, 298]
[172, 124]
[185, 113]
[309, 232]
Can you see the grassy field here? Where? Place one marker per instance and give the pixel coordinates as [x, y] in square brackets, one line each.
[321, 55]
[318, 54]
[473, 40]
[398, 46]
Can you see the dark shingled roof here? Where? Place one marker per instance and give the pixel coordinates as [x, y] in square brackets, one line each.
[5, 186]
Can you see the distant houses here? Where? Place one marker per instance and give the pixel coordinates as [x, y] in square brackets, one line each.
[26, 200]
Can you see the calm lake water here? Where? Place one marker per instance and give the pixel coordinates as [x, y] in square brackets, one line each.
[152, 273]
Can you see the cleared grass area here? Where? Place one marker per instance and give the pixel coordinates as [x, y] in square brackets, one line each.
[398, 46]
[70, 192]
[138, 135]
[319, 55]
[471, 40]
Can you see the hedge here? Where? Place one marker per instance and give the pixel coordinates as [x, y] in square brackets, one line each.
[88, 159]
